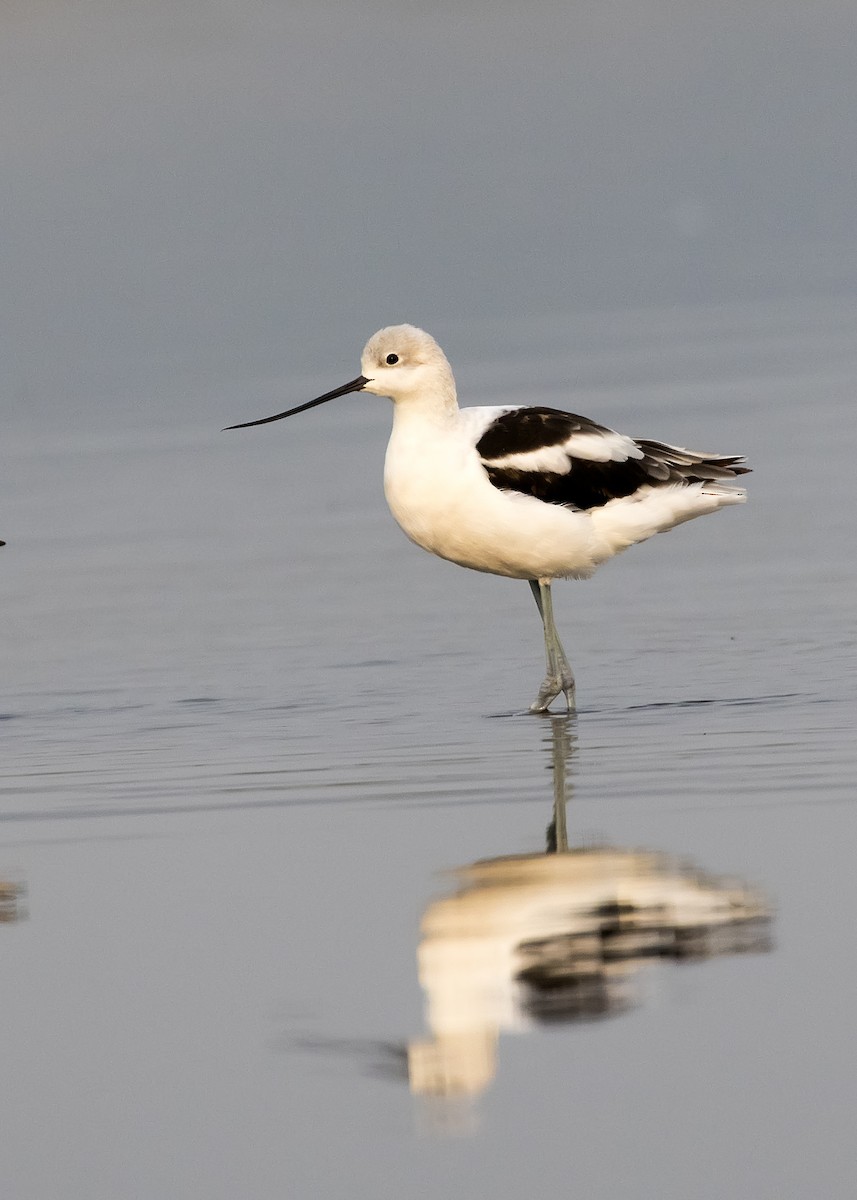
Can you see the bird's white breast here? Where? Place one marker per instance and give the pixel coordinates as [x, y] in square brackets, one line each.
[430, 476]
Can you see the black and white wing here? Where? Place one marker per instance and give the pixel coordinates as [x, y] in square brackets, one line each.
[561, 458]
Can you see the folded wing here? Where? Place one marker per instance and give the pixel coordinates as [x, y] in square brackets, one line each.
[562, 458]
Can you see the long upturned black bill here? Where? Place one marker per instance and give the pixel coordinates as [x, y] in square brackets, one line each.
[355, 385]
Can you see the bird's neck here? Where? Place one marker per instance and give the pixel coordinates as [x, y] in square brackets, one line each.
[436, 406]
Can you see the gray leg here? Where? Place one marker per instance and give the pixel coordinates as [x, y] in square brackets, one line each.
[559, 677]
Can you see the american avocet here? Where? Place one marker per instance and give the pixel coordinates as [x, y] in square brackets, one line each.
[527, 492]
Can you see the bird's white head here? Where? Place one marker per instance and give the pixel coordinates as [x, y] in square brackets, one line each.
[407, 364]
[402, 362]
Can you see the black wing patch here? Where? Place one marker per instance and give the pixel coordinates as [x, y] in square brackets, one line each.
[589, 484]
[525, 429]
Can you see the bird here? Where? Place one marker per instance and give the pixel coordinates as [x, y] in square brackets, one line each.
[522, 491]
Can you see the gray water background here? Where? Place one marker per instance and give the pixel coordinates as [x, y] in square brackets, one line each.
[246, 727]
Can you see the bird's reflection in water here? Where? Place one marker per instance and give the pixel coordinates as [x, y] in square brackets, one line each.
[560, 936]
[11, 899]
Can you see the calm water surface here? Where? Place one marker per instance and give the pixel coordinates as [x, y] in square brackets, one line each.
[247, 728]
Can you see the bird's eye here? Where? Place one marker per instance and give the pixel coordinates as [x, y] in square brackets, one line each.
[392, 359]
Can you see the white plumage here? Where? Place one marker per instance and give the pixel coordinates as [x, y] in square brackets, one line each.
[527, 492]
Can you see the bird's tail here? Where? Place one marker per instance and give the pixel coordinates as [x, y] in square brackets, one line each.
[674, 464]
[621, 523]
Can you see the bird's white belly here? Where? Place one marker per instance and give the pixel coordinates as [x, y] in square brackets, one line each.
[442, 498]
